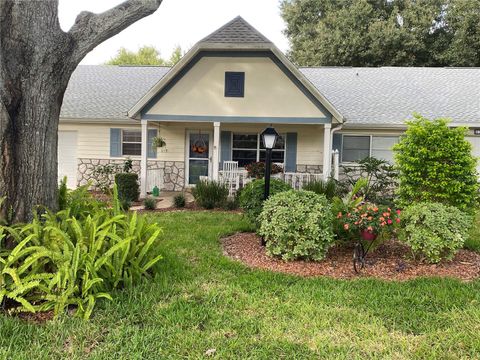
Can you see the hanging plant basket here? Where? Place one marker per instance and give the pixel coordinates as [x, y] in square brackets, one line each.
[200, 146]
[158, 142]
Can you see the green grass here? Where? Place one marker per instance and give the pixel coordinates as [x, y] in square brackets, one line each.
[200, 300]
[473, 242]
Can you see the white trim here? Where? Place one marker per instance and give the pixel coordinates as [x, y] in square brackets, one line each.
[327, 151]
[216, 151]
[144, 159]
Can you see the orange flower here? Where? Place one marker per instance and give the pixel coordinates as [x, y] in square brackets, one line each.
[381, 218]
[370, 229]
[375, 209]
[398, 220]
[370, 218]
[349, 215]
[346, 226]
[339, 216]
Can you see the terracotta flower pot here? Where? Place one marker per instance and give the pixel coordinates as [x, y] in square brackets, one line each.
[367, 235]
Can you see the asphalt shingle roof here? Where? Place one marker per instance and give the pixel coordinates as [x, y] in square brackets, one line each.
[389, 95]
[362, 95]
[237, 31]
[106, 91]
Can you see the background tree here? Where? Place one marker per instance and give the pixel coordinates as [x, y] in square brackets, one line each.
[385, 32]
[146, 55]
[37, 59]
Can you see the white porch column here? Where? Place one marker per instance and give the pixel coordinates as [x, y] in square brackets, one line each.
[216, 151]
[143, 162]
[327, 151]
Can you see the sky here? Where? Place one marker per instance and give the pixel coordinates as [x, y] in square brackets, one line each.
[178, 22]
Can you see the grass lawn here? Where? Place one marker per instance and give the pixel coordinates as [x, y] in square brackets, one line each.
[201, 300]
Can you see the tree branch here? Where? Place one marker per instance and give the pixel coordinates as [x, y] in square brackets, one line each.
[92, 29]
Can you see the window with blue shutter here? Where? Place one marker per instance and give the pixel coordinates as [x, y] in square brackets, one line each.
[225, 147]
[234, 84]
[291, 153]
[115, 142]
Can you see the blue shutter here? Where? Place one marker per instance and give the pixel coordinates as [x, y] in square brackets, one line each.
[291, 153]
[337, 144]
[115, 142]
[225, 147]
[151, 151]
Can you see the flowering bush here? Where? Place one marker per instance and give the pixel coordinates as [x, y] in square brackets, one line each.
[370, 218]
[257, 169]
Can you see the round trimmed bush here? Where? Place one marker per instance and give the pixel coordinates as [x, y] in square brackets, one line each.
[251, 197]
[434, 231]
[297, 225]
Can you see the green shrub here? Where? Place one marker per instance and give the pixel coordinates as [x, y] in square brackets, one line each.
[128, 189]
[436, 164]
[297, 225]
[328, 188]
[210, 194]
[60, 261]
[179, 201]
[251, 197]
[434, 231]
[149, 204]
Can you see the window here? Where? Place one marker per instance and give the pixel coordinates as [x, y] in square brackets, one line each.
[234, 84]
[131, 142]
[248, 148]
[358, 147]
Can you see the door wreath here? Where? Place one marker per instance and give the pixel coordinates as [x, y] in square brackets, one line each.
[200, 146]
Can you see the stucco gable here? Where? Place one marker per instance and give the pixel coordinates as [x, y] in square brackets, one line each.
[270, 90]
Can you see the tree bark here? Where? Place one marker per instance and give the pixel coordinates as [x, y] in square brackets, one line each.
[37, 59]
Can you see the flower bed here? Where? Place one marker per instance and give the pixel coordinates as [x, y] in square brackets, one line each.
[390, 261]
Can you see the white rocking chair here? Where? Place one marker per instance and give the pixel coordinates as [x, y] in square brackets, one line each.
[230, 176]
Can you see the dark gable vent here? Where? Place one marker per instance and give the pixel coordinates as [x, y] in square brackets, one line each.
[234, 84]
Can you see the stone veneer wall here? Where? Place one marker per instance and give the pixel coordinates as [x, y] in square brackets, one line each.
[173, 171]
[310, 169]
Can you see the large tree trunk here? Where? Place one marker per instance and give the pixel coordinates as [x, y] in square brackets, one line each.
[37, 59]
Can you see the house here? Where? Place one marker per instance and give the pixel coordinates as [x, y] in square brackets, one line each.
[212, 105]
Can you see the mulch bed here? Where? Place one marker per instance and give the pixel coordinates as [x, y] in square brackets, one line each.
[390, 261]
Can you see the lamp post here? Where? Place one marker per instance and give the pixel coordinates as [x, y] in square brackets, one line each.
[269, 138]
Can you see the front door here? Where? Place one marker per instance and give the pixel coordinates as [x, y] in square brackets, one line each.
[198, 156]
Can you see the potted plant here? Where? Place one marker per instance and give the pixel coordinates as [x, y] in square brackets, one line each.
[368, 220]
[158, 142]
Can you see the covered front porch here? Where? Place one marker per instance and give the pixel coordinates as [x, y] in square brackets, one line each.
[220, 151]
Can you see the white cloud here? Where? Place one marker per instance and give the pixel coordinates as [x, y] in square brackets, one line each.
[178, 22]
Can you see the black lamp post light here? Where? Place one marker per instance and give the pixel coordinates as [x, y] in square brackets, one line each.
[269, 138]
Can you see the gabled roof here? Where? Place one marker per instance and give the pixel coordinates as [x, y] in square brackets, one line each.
[237, 31]
[106, 91]
[390, 95]
[236, 35]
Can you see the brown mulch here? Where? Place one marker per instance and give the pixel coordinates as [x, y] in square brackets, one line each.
[36, 318]
[389, 261]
